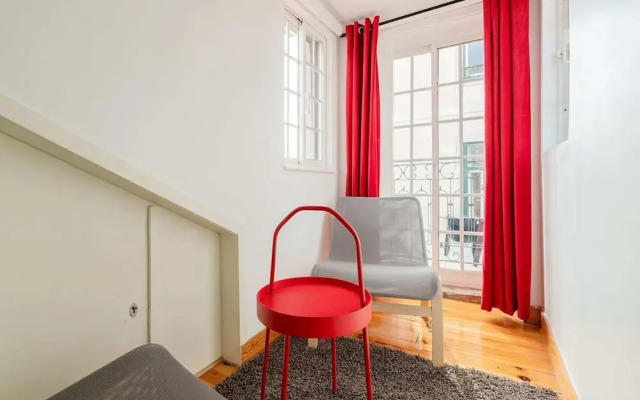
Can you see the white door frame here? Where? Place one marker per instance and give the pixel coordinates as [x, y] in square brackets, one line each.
[467, 279]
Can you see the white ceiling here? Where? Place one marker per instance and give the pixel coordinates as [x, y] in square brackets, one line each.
[347, 11]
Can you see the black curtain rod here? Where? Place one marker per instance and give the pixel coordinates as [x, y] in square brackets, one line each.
[448, 3]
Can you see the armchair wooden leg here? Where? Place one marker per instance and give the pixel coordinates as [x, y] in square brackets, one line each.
[312, 343]
[437, 332]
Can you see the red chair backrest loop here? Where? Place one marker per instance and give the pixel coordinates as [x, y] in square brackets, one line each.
[342, 221]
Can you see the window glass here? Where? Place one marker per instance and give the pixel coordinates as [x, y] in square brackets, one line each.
[422, 139]
[401, 143]
[422, 107]
[449, 102]
[402, 109]
[422, 71]
[473, 99]
[448, 64]
[402, 74]
[473, 59]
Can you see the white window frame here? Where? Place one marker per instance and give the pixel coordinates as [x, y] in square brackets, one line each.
[466, 279]
[301, 163]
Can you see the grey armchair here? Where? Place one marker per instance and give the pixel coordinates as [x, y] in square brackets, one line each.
[394, 258]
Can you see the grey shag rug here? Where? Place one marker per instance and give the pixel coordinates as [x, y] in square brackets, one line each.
[396, 376]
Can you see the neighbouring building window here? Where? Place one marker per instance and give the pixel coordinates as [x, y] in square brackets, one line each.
[305, 96]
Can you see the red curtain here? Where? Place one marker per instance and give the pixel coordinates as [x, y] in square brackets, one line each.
[507, 251]
[363, 110]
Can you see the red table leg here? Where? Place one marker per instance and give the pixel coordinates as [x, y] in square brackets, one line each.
[367, 363]
[285, 371]
[265, 365]
[334, 365]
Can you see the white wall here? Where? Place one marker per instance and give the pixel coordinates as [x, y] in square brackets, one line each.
[72, 260]
[189, 92]
[590, 197]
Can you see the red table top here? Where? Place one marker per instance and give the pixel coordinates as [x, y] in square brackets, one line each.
[314, 307]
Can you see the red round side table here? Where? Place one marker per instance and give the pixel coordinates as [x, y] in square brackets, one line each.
[314, 307]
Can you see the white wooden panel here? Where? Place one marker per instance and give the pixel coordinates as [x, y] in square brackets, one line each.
[72, 260]
[185, 289]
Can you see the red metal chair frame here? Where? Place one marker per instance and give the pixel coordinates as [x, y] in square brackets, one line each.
[358, 317]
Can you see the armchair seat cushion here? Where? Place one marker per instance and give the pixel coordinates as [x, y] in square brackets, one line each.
[418, 282]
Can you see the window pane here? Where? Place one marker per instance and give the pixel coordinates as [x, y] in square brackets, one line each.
[308, 50]
[401, 174]
[317, 85]
[474, 179]
[473, 245]
[473, 99]
[401, 109]
[473, 136]
[286, 77]
[449, 139]
[319, 55]
[422, 173]
[449, 102]
[422, 71]
[293, 75]
[450, 251]
[449, 179]
[422, 142]
[425, 206]
[313, 82]
[293, 109]
[448, 64]
[292, 143]
[401, 143]
[449, 210]
[473, 59]
[293, 41]
[310, 143]
[314, 114]
[286, 102]
[474, 214]
[422, 107]
[402, 74]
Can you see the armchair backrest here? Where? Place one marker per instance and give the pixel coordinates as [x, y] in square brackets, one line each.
[390, 230]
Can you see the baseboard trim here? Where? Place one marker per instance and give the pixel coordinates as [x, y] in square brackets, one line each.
[255, 345]
[461, 294]
[562, 375]
[209, 367]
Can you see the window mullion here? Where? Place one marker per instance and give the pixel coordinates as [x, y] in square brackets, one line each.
[302, 103]
[411, 125]
[460, 152]
[435, 154]
[286, 88]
